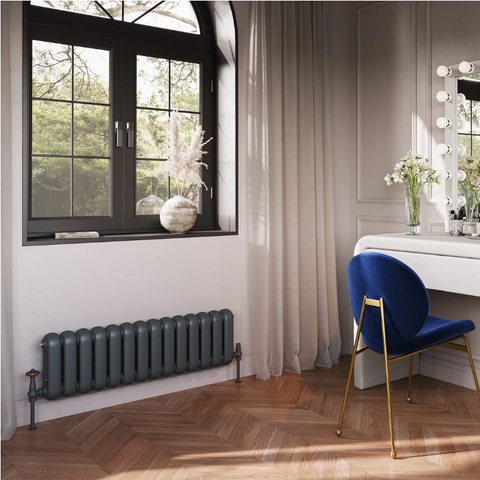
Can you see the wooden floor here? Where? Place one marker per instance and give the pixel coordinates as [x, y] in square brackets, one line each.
[283, 428]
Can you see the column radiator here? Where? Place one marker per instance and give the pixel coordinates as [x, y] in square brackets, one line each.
[77, 362]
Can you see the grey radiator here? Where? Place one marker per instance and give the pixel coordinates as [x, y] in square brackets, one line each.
[77, 362]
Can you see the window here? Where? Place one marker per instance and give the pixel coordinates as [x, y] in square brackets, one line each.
[469, 113]
[103, 79]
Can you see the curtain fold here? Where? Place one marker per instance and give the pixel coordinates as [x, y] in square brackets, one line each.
[9, 416]
[292, 293]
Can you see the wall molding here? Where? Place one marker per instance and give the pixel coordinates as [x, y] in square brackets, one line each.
[377, 219]
[361, 199]
[450, 366]
[434, 223]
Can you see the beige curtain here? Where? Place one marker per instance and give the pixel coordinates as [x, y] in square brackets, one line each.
[292, 296]
[9, 418]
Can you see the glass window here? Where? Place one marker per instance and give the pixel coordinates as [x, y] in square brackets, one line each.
[100, 106]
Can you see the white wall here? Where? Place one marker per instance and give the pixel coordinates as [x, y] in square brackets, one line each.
[66, 287]
[386, 57]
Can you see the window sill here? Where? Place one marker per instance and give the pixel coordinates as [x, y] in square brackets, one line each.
[119, 237]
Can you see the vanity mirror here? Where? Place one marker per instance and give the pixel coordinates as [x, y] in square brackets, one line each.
[461, 97]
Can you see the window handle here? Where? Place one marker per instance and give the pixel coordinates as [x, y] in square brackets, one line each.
[119, 133]
[130, 134]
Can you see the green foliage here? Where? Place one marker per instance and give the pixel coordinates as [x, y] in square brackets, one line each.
[53, 66]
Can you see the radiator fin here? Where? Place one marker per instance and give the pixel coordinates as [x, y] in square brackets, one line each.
[107, 357]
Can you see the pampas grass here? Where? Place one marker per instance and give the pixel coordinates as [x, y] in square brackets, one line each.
[183, 161]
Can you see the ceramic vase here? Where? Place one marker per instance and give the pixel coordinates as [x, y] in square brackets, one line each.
[178, 215]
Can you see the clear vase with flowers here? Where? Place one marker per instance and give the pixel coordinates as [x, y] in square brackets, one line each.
[414, 173]
[470, 187]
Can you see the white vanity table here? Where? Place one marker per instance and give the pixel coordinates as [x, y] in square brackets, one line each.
[443, 262]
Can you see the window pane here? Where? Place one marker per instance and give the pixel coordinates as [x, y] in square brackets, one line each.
[178, 16]
[91, 130]
[476, 146]
[188, 123]
[135, 8]
[465, 141]
[92, 78]
[50, 187]
[78, 6]
[51, 70]
[152, 82]
[475, 117]
[90, 187]
[152, 129]
[185, 86]
[51, 127]
[465, 116]
[151, 188]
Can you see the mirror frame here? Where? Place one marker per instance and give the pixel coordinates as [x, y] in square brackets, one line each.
[451, 138]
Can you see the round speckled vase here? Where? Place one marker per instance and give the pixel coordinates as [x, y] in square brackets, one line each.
[178, 215]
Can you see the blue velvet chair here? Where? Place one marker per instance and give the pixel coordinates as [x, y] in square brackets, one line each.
[390, 305]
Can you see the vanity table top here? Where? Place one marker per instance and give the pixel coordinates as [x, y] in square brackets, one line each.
[441, 244]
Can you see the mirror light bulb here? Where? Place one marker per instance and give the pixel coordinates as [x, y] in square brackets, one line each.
[443, 71]
[460, 124]
[461, 150]
[443, 96]
[444, 201]
[443, 122]
[461, 98]
[444, 149]
[466, 67]
[461, 175]
[461, 201]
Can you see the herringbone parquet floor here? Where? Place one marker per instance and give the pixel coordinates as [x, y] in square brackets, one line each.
[283, 428]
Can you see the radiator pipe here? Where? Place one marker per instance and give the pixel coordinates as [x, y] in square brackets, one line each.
[238, 357]
[33, 393]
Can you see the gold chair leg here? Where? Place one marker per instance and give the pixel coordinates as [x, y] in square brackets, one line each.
[472, 366]
[339, 430]
[393, 454]
[409, 396]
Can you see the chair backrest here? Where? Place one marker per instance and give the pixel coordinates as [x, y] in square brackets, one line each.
[405, 298]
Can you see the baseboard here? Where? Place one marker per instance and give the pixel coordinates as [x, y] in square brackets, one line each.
[450, 366]
[347, 345]
[62, 407]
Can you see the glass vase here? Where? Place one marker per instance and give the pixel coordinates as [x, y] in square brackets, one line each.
[471, 195]
[413, 196]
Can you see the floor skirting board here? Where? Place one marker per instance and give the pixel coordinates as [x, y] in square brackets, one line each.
[449, 366]
[61, 407]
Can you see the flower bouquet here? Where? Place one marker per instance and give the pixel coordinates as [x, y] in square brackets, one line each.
[414, 173]
[470, 185]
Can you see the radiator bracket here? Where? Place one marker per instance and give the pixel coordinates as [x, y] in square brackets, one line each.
[238, 357]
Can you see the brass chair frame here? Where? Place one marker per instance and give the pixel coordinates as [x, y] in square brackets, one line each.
[379, 304]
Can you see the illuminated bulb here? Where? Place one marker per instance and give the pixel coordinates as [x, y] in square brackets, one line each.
[460, 124]
[461, 175]
[443, 122]
[444, 149]
[444, 175]
[443, 71]
[443, 96]
[461, 201]
[461, 150]
[444, 201]
[461, 98]
[466, 67]
[448, 174]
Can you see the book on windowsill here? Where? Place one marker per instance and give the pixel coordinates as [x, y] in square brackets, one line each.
[66, 235]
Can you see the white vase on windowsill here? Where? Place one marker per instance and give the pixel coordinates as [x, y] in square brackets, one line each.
[178, 215]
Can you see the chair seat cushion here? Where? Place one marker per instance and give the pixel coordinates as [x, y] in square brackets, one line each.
[435, 330]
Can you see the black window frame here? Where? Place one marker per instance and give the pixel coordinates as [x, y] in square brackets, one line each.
[59, 26]
[471, 90]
